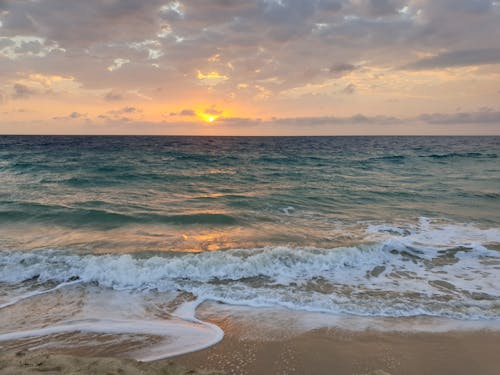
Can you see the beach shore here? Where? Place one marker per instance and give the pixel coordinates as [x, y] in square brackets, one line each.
[41, 362]
[322, 351]
[333, 351]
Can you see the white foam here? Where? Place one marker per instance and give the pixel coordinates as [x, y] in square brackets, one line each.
[287, 210]
[434, 233]
[276, 323]
[436, 269]
[434, 276]
[180, 337]
[35, 293]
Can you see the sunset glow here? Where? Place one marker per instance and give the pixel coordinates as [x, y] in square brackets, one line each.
[253, 67]
[250, 187]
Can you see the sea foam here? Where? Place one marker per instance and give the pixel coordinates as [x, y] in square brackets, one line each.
[442, 270]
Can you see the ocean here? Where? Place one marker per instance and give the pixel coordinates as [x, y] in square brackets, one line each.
[138, 239]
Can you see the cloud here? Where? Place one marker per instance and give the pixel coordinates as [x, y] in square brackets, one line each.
[349, 89]
[213, 111]
[113, 97]
[457, 59]
[192, 113]
[124, 110]
[342, 68]
[81, 23]
[125, 114]
[377, 8]
[72, 116]
[333, 120]
[171, 43]
[273, 57]
[483, 116]
[240, 121]
[184, 112]
[129, 110]
[470, 7]
[485, 121]
[22, 91]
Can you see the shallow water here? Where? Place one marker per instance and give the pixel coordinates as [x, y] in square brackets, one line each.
[131, 234]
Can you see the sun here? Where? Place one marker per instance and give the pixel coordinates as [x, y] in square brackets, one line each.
[207, 117]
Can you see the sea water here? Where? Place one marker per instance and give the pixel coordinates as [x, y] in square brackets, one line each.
[132, 240]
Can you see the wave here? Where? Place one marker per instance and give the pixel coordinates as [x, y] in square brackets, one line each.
[398, 159]
[461, 155]
[390, 158]
[29, 212]
[445, 271]
[435, 269]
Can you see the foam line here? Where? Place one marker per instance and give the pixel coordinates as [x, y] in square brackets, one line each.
[35, 293]
[183, 337]
[433, 269]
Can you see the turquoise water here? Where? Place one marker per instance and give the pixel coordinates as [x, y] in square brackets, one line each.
[357, 226]
[264, 191]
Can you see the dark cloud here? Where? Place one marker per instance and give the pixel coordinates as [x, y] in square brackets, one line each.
[332, 120]
[259, 49]
[81, 23]
[329, 6]
[113, 97]
[123, 111]
[378, 8]
[22, 91]
[342, 68]
[129, 110]
[120, 115]
[349, 89]
[240, 121]
[483, 116]
[473, 7]
[76, 115]
[71, 116]
[457, 59]
[246, 35]
[185, 112]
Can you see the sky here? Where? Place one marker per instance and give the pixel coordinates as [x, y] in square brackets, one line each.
[250, 67]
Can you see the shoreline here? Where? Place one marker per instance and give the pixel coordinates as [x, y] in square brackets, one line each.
[45, 362]
[318, 351]
[338, 351]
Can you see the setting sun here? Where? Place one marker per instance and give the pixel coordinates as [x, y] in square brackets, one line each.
[250, 186]
[208, 117]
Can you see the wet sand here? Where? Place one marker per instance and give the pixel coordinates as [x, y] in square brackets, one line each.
[333, 351]
[322, 351]
[29, 363]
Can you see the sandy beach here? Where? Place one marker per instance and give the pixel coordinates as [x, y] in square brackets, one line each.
[50, 363]
[250, 187]
[323, 351]
[334, 351]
